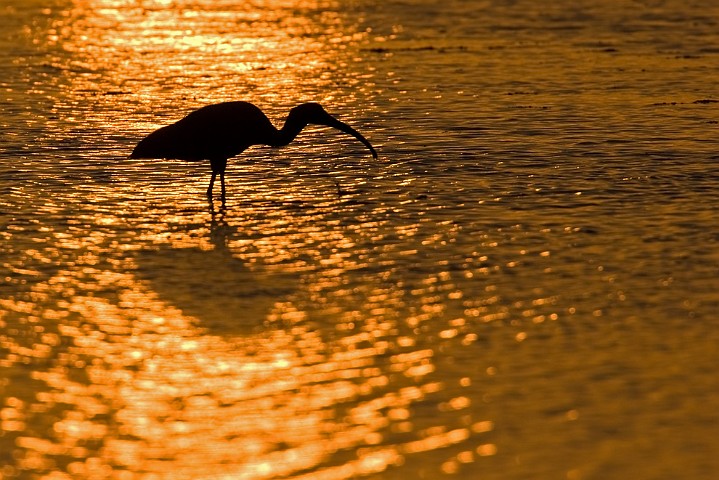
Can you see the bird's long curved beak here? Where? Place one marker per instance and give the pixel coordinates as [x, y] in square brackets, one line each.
[334, 123]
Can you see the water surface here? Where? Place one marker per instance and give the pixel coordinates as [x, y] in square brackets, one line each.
[524, 285]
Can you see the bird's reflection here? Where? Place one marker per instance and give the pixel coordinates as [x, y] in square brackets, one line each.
[213, 285]
[219, 230]
[220, 210]
[301, 379]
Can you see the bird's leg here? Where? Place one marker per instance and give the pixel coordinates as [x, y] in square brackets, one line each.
[212, 182]
[218, 166]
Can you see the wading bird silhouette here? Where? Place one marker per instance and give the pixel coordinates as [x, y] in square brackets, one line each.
[221, 131]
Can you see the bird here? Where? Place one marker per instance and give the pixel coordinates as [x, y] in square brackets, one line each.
[221, 131]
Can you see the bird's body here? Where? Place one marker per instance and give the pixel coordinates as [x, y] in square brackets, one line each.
[223, 130]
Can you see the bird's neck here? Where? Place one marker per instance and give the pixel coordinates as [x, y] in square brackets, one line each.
[288, 132]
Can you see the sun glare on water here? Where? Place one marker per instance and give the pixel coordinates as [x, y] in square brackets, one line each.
[132, 377]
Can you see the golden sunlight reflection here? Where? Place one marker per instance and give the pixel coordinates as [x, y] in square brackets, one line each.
[132, 384]
[203, 51]
[275, 340]
[477, 302]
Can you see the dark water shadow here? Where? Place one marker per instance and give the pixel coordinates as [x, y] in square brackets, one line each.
[212, 285]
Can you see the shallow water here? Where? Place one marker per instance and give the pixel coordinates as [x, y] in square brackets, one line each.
[524, 285]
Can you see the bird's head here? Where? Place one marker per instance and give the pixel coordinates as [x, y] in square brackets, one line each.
[313, 114]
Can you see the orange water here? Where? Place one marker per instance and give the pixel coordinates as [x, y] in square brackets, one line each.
[524, 285]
